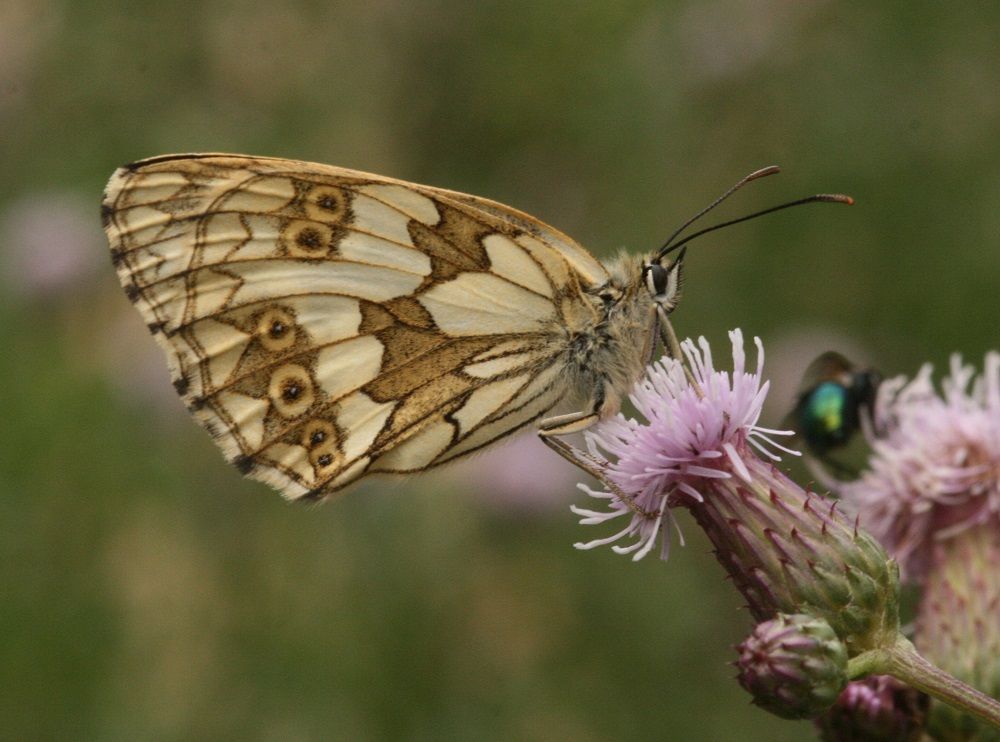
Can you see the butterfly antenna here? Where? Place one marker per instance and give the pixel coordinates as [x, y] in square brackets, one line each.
[836, 198]
[770, 170]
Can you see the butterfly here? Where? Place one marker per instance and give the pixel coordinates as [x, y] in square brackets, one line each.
[324, 324]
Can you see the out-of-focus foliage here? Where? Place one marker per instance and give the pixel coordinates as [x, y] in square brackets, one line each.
[150, 593]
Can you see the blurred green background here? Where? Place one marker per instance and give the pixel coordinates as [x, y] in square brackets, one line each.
[149, 593]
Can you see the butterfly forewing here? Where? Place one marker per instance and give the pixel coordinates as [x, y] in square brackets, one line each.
[324, 323]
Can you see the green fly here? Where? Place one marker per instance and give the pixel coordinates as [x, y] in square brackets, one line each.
[833, 399]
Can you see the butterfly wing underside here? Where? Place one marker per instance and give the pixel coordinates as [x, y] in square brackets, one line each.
[325, 323]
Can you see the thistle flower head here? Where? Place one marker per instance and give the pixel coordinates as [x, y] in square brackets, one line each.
[935, 465]
[700, 447]
[692, 432]
[793, 665]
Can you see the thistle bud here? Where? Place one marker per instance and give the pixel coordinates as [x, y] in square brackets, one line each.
[793, 665]
[875, 709]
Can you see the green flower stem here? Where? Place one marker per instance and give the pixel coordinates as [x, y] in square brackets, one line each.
[905, 663]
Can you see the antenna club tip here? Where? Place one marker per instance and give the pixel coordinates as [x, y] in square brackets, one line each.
[837, 198]
[764, 171]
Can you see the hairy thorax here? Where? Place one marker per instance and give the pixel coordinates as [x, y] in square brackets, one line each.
[609, 343]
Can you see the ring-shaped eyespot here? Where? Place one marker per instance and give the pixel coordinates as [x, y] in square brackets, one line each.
[308, 239]
[276, 329]
[291, 390]
[315, 433]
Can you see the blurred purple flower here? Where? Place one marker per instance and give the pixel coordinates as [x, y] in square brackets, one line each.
[935, 465]
[521, 473]
[52, 243]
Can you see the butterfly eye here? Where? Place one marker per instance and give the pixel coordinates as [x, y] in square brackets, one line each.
[656, 279]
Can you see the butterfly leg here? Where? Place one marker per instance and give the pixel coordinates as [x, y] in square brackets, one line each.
[667, 334]
[573, 422]
[594, 467]
[601, 405]
[673, 346]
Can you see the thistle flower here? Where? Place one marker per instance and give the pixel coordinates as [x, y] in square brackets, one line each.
[786, 549]
[692, 433]
[793, 665]
[934, 471]
[875, 709]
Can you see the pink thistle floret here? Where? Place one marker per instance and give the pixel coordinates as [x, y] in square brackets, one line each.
[693, 432]
[934, 471]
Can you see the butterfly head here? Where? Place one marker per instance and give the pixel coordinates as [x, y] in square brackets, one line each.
[662, 278]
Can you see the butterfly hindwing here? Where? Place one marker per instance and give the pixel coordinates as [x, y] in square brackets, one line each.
[324, 323]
